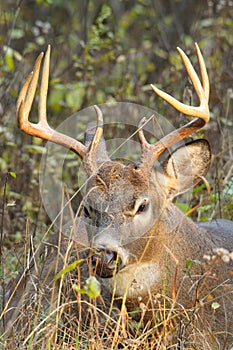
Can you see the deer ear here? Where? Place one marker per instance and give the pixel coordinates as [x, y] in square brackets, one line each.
[185, 166]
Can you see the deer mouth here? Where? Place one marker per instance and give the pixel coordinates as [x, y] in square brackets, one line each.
[106, 263]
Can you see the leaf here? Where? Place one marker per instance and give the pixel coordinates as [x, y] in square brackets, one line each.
[56, 97]
[17, 33]
[183, 207]
[91, 288]
[13, 174]
[68, 269]
[9, 60]
[74, 96]
[215, 305]
[3, 165]
[190, 262]
[195, 261]
[203, 208]
[78, 290]
[229, 207]
[11, 204]
[35, 149]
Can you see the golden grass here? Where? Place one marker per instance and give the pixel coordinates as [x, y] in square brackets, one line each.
[51, 315]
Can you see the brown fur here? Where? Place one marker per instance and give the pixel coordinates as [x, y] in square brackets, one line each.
[154, 259]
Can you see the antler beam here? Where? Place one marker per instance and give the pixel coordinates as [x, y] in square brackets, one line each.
[42, 128]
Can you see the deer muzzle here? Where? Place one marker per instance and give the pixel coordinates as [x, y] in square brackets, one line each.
[106, 263]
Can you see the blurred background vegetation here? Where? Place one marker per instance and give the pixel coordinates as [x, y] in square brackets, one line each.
[105, 51]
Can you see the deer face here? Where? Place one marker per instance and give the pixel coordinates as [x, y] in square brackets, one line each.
[119, 209]
[124, 205]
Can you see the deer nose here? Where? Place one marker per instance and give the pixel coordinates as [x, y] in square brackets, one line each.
[106, 263]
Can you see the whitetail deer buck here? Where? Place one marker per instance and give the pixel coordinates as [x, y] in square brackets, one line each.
[125, 200]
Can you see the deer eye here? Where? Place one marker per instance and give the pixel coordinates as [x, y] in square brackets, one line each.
[143, 207]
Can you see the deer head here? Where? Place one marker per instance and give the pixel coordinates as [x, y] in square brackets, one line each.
[127, 207]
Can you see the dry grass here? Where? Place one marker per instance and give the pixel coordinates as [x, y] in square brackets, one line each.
[51, 315]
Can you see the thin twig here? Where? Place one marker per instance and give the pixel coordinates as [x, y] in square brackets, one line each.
[1, 246]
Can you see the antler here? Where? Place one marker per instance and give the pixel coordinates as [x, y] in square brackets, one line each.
[151, 152]
[42, 128]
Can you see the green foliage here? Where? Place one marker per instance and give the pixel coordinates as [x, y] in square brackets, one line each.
[68, 269]
[13, 174]
[215, 305]
[103, 52]
[183, 207]
[100, 36]
[91, 288]
[190, 263]
[9, 60]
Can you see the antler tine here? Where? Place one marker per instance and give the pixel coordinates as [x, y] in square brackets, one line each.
[23, 92]
[204, 74]
[99, 131]
[44, 89]
[42, 128]
[26, 95]
[151, 152]
[202, 111]
[90, 160]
